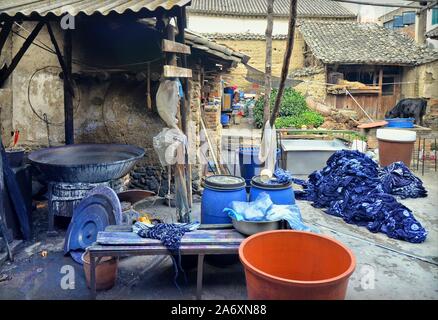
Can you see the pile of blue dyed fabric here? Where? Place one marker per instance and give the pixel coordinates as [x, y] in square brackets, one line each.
[398, 180]
[352, 186]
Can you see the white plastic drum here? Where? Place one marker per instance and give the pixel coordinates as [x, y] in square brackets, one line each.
[395, 145]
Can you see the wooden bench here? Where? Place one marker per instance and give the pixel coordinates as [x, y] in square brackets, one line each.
[120, 241]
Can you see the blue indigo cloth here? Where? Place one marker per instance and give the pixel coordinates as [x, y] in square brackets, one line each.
[263, 209]
[170, 236]
[398, 180]
[282, 176]
[353, 187]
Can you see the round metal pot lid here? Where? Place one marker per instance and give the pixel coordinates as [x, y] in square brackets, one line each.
[112, 197]
[224, 182]
[91, 215]
[257, 182]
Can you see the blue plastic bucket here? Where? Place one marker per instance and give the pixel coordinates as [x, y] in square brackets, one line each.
[400, 123]
[219, 191]
[225, 119]
[281, 193]
[250, 164]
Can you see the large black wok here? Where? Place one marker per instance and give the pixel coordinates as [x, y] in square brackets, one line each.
[87, 163]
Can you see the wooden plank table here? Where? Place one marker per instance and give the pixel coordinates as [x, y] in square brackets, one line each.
[120, 241]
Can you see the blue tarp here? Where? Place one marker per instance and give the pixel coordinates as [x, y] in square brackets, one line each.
[352, 186]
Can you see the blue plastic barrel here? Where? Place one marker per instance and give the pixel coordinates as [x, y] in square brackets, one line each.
[400, 123]
[280, 193]
[225, 119]
[250, 164]
[219, 191]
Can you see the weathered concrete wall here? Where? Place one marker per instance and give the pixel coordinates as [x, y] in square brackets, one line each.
[256, 49]
[422, 81]
[44, 91]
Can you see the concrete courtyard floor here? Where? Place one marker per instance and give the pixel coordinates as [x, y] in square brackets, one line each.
[386, 268]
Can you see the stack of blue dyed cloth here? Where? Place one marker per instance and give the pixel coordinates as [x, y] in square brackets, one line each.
[352, 186]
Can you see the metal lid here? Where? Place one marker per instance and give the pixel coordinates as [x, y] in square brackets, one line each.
[224, 182]
[272, 184]
[93, 214]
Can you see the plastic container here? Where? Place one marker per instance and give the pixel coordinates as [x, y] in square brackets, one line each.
[250, 164]
[400, 123]
[395, 145]
[219, 191]
[281, 193]
[225, 119]
[295, 265]
[106, 271]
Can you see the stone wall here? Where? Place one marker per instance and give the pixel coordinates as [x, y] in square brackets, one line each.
[422, 81]
[256, 49]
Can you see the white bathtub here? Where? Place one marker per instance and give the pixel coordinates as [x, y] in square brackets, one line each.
[302, 156]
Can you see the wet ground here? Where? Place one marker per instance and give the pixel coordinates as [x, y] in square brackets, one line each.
[386, 268]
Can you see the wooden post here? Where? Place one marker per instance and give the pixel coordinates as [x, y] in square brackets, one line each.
[286, 61]
[68, 98]
[379, 104]
[6, 72]
[268, 62]
[185, 101]
[6, 29]
[181, 193]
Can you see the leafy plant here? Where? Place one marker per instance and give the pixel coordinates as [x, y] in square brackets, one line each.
[293, 111]
[308, 118]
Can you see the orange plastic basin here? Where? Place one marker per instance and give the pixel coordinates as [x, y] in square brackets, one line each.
[287, 265]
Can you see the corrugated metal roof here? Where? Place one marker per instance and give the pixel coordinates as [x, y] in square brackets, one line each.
[306, 8]
[58, 8]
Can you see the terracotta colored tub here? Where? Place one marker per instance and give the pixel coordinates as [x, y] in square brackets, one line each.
[287, 265]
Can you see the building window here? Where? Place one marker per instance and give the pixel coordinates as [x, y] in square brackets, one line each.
[408, 18]
[398, 22]
[388, 86]
[434, 16]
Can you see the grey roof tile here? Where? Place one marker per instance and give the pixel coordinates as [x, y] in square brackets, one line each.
[362, 43]
[306, 8]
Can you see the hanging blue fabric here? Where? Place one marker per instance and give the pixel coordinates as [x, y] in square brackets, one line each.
[353, 187]
[170, 236]
[180, 89]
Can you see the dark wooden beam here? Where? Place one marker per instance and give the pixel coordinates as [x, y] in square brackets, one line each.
[185, 101]
[6, 29]
[68, 98]
[67, 75]
[6, 71]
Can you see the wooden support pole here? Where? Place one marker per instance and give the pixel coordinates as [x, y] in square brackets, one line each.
[286, 61]
[68, 98]
[379, 104]
[181, 189]
[6, 72]
[185, 101]
[6, 29]
[268, 62]
[67, 74]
